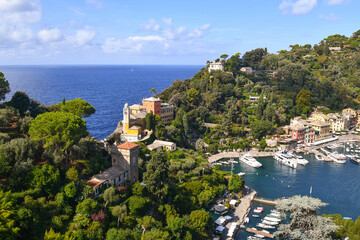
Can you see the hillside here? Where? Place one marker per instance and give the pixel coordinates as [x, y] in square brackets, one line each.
[291, 82]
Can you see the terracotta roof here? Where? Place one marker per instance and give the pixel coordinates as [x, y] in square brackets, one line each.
[127, 145]
[94, 183]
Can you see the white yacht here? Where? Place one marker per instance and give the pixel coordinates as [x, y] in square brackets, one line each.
[250, 160]
[300, 159]
[286, 159]
[337, 157]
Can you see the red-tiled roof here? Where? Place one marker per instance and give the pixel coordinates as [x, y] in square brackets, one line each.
[94, 183]
[127, 145]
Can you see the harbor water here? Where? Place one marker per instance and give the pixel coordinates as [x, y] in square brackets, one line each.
[335, 184]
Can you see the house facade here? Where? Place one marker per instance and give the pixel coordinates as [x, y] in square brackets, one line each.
[213, 66]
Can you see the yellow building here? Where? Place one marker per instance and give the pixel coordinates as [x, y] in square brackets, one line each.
[349, 111]
[133, 122]
[322, 129]
[319, 116]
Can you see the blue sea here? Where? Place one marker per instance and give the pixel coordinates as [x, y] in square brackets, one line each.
[108, 88]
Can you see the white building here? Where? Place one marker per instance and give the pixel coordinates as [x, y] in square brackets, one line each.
[158, 145]
[216, 66]
[247, 70]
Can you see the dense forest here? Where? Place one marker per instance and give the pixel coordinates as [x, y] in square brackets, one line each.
[47, 155]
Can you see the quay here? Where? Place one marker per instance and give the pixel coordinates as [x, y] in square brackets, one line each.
[265, 201]
[260, 232]
[241, 211]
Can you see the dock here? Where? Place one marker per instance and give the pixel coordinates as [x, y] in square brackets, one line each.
[259, 232]
[317, 152]
[265, 201]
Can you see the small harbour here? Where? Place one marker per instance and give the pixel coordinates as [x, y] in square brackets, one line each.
[335, 184]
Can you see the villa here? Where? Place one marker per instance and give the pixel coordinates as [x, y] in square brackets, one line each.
[216, 66]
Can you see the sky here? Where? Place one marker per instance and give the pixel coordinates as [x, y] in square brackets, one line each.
[163, 32]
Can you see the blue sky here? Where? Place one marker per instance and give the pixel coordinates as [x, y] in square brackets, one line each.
[163, 32]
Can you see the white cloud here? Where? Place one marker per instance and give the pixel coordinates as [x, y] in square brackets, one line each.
[167, 21]
[298, 6]
[20, 11]
[334, 2]
[168, 39]
[329, 17]
[96, 3]
[49, 35]
[152, 25]
[82, 37]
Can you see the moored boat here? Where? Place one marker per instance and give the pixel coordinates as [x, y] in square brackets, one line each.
[250, 160]
[286, 159]
[319, 157]
[262, 225]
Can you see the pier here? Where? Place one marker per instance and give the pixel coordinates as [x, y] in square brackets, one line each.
[317, 152]
[260, 232]
[265, 201]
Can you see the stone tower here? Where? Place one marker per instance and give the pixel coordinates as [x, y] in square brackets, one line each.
[128, 158]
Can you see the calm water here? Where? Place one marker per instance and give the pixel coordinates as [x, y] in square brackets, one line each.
[336, 184]
[107, 88]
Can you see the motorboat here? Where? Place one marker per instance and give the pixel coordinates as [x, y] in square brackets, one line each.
[250, 160]
[262, 225]
[299, 159]
[270, 223]
[319, 157]
[255, 215]
[272, 219]
[286, 159]
[241, 173]
[258, 210]
[355, 160]
[274, 215]
[337, 157]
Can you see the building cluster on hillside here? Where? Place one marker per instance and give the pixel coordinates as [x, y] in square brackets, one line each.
[133, 123]
[319, 126]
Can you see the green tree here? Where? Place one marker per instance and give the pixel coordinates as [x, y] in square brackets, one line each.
[261, 128]
[46, 178]
[153, 91]
[120, 212]
[72, 174]
[156, 174]
[58, 129]
[303, 103]
[52, 235]
[77, 107]
[305, 223]
[110, 196]
[4, 86]
[201, 223]
[193, 95]
[20, 101]
[8, 228]
[137, 205]
[70, 190]
[87, 207]
[155, 234]
[149, 121]
[235, 184]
